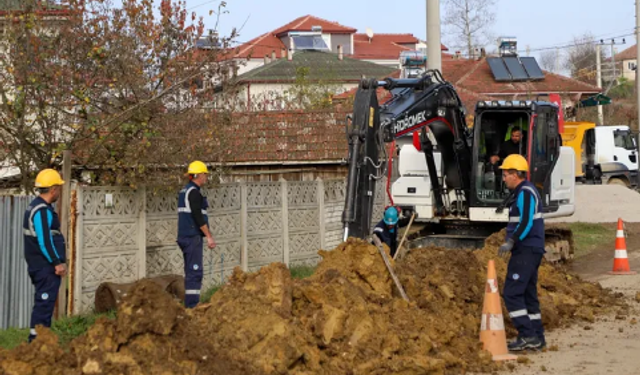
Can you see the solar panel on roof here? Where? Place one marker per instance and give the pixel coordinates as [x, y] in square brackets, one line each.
[532, 67]
[500, 72]
[517, 71]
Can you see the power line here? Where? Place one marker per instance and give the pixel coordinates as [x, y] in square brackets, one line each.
[570, 45]
[627, 32]
[203, 4]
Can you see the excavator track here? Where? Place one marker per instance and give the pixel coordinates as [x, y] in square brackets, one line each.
[559, 242]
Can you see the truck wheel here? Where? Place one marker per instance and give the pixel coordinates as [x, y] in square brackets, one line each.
[617, 181]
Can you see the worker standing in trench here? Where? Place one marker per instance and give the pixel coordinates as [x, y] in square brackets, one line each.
[193, 225]
[387, 229]
[44, 248]
[525, 241]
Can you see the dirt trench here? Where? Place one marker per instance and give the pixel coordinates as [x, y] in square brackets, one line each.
[347, 318]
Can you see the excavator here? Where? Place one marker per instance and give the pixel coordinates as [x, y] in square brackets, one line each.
[445, 174]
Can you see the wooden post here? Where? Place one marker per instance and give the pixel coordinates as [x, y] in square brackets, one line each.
[321, 219]
[64, 206]
[244, 255]
[77, 298]
[71, 245]
[285, 221]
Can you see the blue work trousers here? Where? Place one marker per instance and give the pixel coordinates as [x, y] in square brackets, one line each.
[47, 284]
[521, 291]
[192, 254]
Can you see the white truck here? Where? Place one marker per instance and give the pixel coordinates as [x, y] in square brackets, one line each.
[605, 154]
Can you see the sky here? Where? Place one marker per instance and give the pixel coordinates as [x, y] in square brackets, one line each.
[537, 24]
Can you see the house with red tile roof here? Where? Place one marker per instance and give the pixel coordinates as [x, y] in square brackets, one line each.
[381, 49]
[307, 76]
[474, 80]
[626, 63]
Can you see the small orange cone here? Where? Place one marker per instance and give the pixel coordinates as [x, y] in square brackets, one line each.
[620, 260]
[492, 334]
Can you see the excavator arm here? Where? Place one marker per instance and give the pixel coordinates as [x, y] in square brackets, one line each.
[428, 105]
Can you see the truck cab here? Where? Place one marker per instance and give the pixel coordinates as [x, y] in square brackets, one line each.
[604, 154]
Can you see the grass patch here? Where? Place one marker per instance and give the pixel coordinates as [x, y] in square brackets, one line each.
[12, 337]
[589, 237]
[67, 329]
[301, 272]
[206, 296]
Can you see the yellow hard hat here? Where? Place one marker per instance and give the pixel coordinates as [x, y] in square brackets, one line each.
[48, 178]
[197, 167]
[515, 161]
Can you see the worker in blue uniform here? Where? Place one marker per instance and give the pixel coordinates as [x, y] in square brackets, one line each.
[193, 225]
[387, 229]
[44, 248]
[525, 242]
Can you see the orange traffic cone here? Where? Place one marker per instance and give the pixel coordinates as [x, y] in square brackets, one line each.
[492, 334]
[620, 260]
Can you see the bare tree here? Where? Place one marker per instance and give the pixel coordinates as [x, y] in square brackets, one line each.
[550, 61]
[468, 23]
[581, 59]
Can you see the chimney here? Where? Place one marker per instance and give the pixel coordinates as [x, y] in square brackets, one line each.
[290, 54]
[266, 59]
[483, 53]
[340, 56]
[273, 55]
[457, 55]
[283, 53]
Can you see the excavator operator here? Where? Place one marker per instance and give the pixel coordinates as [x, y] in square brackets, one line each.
[510, 147]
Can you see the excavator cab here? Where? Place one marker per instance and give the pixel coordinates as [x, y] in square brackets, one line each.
[540, 143]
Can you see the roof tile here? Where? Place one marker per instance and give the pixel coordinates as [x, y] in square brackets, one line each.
[322, 66]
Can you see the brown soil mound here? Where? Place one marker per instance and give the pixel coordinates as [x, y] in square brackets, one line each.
[345, 319]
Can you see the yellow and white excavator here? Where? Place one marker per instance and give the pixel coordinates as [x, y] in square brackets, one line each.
[446, 173]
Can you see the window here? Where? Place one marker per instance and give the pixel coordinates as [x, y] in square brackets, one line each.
[624, 139]
[540, 140]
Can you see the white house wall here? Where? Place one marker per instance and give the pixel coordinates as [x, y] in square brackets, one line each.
[395, 63]
[343, 40]
[245, 65]
[627, 71]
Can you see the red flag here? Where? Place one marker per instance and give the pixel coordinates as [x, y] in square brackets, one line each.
[555, 98]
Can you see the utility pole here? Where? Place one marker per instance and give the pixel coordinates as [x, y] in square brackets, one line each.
[613, 59]
[599, 80]
[434, 54]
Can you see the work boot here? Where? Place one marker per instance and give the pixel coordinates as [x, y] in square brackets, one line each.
[524, 343]
[543, 342]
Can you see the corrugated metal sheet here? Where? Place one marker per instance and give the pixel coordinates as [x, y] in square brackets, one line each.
[16, 291]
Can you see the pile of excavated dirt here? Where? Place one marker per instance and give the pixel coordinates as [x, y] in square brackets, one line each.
[347, 318]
